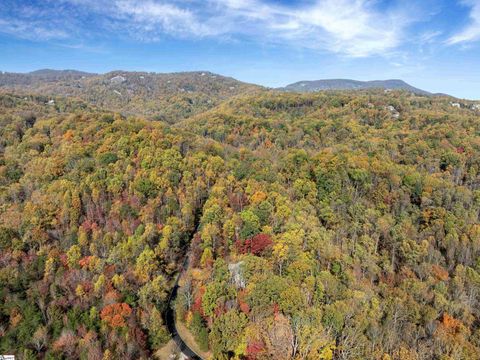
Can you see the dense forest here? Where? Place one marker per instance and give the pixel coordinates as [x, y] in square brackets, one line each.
[331, 225]
[164, 97]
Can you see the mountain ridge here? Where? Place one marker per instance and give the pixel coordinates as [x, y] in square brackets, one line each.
[37, 80]
[350, 84]
[159, 96]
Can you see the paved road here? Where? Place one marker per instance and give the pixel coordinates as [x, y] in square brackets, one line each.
[170, 318]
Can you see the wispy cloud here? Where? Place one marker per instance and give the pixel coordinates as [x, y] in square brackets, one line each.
[472, 31]
[30, 22]
[355, 28]
[152, 18]
[351, 27]
[31, 30]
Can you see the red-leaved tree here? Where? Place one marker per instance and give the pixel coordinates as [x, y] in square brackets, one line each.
[256, 245]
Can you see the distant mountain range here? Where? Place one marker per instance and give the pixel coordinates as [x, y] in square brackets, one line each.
[42, 76]
[347, 84]
[169, 96]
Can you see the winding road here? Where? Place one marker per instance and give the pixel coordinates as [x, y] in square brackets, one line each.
[170, 320]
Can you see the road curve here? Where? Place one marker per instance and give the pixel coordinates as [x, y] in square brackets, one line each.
[170, 318]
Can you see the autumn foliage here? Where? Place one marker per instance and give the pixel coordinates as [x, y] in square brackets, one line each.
[255, 245]
[315, 226]
[450, 324]
[440, 273]
[85, 261]
[197, 303]
[254, 348]
[116, 314]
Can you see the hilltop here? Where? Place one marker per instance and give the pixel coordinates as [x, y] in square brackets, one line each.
[169, 97]
[348, 84]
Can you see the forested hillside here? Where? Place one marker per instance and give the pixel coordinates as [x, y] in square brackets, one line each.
[338, 225]
[350, 224]
[166, 97]
[348, 84]
[96, 212]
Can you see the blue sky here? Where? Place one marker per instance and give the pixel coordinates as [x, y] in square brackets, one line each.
[432, 44]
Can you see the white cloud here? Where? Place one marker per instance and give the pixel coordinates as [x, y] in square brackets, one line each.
[29, 22]
[354, 28]
[351, 27]
[153, 17]
[31, 30]
[429, 37]
[472, 31]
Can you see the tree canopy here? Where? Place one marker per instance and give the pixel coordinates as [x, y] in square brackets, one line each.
[319, 226]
